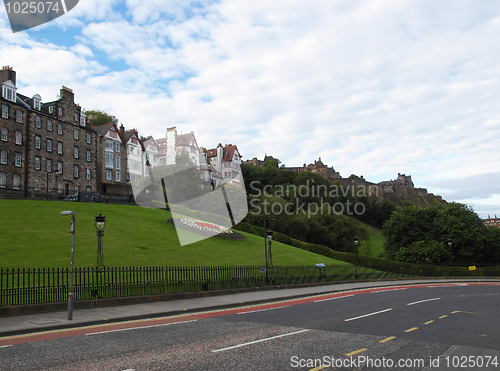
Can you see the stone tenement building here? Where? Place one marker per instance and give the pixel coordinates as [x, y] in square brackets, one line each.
[397, 191]
[47, 149]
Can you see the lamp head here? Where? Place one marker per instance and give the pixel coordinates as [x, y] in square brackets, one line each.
[100, 221]
[269, 234]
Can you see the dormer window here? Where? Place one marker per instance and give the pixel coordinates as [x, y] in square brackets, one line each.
[51, 109]
[37, 102]
[9, 91]
[82, 119]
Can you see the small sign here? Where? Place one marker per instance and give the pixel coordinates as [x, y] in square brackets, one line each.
[72, 225]
[472, 268]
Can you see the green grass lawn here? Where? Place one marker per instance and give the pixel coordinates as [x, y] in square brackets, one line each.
[374, 245]
[34, 234]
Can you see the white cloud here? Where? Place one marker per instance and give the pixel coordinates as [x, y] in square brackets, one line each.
[373, 87]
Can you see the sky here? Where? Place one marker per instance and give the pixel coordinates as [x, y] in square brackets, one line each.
[374, 88]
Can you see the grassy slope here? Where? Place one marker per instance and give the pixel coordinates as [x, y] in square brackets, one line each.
[34, 234]
[374, 245]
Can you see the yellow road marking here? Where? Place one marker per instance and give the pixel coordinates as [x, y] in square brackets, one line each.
[317, 368]
[426, 323]
[411, 329]
[387, 339]
[444, 316]
[356, 352]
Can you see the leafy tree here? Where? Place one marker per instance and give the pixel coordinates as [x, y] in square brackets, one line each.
[97, 117]
[423, 252]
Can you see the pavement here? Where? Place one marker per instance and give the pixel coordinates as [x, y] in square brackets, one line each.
[31, 323]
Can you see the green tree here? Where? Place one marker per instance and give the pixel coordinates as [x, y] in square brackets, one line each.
[96, 117]
[423, 252]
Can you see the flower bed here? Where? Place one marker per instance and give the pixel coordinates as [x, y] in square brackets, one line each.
[205, 228]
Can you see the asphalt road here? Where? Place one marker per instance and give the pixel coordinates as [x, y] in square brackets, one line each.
[400, 328]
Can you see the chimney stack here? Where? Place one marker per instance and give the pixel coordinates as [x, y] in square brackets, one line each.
[7, 73]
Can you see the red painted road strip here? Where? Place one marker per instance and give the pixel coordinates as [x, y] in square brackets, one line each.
[63, 333]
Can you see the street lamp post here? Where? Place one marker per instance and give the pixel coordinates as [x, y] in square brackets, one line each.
[100, 223]
[356, 240]
[450, 249]
[72, 229]
[269, 238]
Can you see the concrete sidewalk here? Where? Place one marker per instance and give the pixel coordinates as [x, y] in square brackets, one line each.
[85, 317]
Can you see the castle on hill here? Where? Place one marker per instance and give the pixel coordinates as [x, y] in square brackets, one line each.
[397, 191]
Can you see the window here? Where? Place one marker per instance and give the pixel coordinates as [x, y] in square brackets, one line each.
[3, 180]
[109, 175]
[82, 119]
[118, 176]
[51, 109]
[109, 159]
[76, 152]
[89, 138]
[49, 165]
[77, 134]
[38, 142]
[5, 111]
[5, 134]
[113, 134]
[89, 189]
[76, 171]
[9, 94]
[118, 162]
[37, 184]
[49, 186]
[38, 162]
[19, 138]
[19, 116]
[117, 147]
[49, 125]
[76, 117]
[59, 167]
[59, 148]
[49, 145]
[17, 182]
[18, 159]
[108, 145]
[77, 189]
[89, 156]
[60, 111]
[59, 129]
[3, 157]
[59, 187]
[36, 104]
[38, 122]
[89, 174]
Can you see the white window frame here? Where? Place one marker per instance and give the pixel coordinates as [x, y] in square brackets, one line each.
[49, 125]
[18, 159]
[19, 138]
[49, 165]
[59, 128]
[89, 155]
[38, 162]
[76, 152]
[38, 122]
[77, 134]
[89, 174]
[59, 148]
[3, 157]
[16, 184]
[3, 180]
[5, 135]
[9, 94]
[89, 138]
[51, 109]
[38, 142]
[118, 162]
[117, 147]
[37, 184]
[109, 174]
[59, 187]
[108, 159]
[60, 111]
[59, 167]
[19, 116]
[5, 111]
[76, 171]
[118, 176]
[49, 145]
